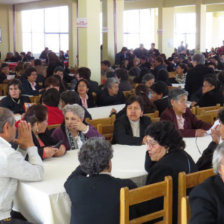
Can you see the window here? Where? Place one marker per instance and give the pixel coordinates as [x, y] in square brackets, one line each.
[185, 31]
[139, 28]
[45, 28]
[214, 30]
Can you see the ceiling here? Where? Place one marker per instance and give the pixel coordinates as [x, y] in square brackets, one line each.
[9, 2]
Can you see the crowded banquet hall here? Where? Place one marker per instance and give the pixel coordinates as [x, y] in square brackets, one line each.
[111, 111]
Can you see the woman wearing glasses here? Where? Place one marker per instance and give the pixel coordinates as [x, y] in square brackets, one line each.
[165, 156]
[182, 117]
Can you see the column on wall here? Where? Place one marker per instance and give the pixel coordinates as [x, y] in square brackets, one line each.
[108, 30]
[73, 33]
[119, 24]
[200, 10]
[166, 30]
[89, 36]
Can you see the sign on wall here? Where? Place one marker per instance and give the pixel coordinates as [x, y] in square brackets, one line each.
[82, 23]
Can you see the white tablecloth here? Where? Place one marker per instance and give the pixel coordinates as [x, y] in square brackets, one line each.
[103, 112]
[46, 202]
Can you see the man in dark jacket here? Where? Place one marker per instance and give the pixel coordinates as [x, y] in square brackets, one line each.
[94, 193]
[160, 71]
[195, 77]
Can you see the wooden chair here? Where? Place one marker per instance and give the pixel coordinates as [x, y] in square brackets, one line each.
[212, 113]
[185, 210]
[103, 121]
[206, 118]
[155, 119]
[35, 99]
[145, 193]
[106, 130]
[193, 110]
[188, 181]
[199, 110]
[172, 87]
[127, 94]
[53, 126]
[172, 75]
[3, 89]
[152, 115]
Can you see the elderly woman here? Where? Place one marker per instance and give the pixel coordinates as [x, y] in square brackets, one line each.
[14, 101]
[206, 200]
[111, 94]
[93, 179]
[37, 116]
[211, 95]
[148, 80]
[74, 132]
[129, 129]
[182, 117]
[165, 156]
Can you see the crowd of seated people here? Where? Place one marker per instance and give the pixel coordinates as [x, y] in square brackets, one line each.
[145, 73]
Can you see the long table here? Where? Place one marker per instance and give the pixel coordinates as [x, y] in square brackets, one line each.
[47, 203]
[103, 112]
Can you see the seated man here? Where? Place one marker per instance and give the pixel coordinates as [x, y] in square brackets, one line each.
[111, 94]
[13, 167]
[94, 193]
[159, 96]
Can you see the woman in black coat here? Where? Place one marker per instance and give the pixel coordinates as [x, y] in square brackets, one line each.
[14, 101]
[165, 156]
[207, 199]
[129, 129]
[211, 95]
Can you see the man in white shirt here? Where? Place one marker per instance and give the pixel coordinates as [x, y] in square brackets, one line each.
[13, 167]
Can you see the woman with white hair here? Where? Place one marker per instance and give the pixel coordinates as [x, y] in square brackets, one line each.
[182, 117]
[207, 199]
[73, 132]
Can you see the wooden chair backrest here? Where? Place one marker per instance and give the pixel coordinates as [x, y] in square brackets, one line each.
[200, 109]
[185, 210]
[106, 130]
[135, 196]
[155, 119]
[172, 75]
[187, 181]
[152, 115]
[103, 121]
[212, 113]
[35, 99]
[128, 93]
[3, 89]
[206, 118]
[53, 126]
[172, 87]
[193, 110]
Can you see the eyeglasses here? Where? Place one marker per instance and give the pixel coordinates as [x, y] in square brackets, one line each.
[151, 142]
